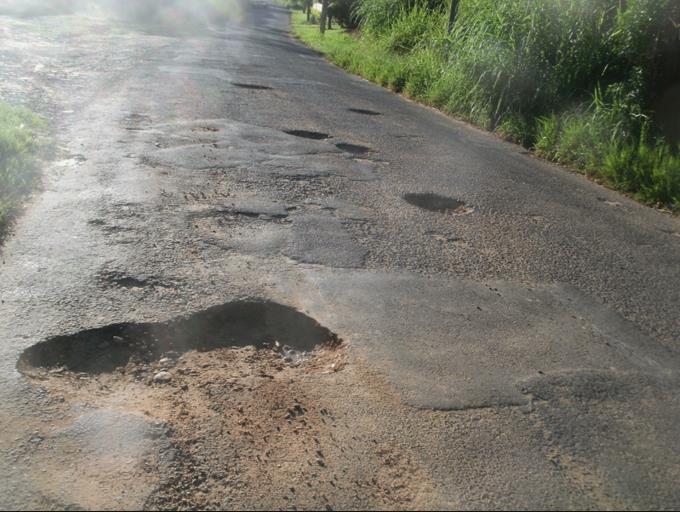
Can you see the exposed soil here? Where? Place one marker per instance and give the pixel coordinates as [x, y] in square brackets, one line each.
[249, 428]
[255, 400]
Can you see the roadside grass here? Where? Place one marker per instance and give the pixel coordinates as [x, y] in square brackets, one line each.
[498, 71]
[19, 146]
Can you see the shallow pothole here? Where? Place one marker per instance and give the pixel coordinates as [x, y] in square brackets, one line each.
[236, 324]
[354, 149]
[110, 278]
[256, 87]
[205, 128]
[124, 281]
[135, 121]
[609, 203]
[364, 111]
[437, 203]
[306, 134]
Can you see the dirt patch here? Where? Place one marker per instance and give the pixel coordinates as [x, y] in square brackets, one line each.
[247, 427]
[354, 149]
[249, 431]
[436, 203]
[237, 324]
[256, 87]
[306, 134]
[364, 111]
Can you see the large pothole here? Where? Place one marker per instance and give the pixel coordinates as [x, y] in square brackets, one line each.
[437, 203]
[237, 324]
[228, 418]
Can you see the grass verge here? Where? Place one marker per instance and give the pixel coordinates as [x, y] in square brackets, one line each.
[594, 136]
[19, 146]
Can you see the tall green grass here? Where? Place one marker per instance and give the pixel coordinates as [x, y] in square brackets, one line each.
[574, 79]
[19, 145]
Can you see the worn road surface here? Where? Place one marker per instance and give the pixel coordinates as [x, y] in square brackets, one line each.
[236, 289]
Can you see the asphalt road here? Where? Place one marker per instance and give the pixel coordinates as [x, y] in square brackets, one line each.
[528, 338]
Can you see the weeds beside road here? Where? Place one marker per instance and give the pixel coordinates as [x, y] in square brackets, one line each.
[19, 145]
[580, 82]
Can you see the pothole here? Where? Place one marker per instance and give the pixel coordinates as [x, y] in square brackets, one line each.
[135, 121]
[354, 149]
[257, 87]
[119, 279]
[220, 421]
[450, 240]
[364, 111]
[254, 214]
[437, 203]
[124, 281]
[237, 324]
[246, 209]
[135, 117]
[115, 229]
[205, 129]
[306, 134]
[609, 203]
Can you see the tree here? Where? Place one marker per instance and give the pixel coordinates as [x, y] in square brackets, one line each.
[324, 13]
[453, 13]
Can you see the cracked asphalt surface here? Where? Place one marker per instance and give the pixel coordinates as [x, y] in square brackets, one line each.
[520, 352]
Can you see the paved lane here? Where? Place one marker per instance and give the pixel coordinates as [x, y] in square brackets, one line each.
[517, 350]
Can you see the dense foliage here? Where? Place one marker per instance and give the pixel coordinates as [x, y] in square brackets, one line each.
[581, 81]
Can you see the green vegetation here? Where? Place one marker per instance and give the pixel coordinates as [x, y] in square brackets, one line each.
[576, 80]
[294, 4]
[18, 148]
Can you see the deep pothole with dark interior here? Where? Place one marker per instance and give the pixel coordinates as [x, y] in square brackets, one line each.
[259, 324]
[437, 203]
